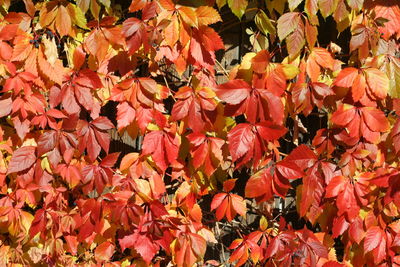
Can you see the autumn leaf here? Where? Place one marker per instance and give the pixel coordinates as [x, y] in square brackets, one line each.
[162, 146]
[206, 152]
[228, 205]
[238, 7]
[188, 248]
[141, 243]
[93, 136]
[22, 159]
[207, 15]
[255, 101]
[272, 182]
[287, 23]
[245, 248]
[327, 7]
[195, 106]
[390, 11]
[104, 251]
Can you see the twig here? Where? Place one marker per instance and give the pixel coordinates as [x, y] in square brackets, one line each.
[221, 243]
[222, 68]
[296, 131]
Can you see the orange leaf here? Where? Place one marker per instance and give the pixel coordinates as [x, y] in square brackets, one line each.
[375, 119]
[346, 77]
[323, 57]
[207, 15]
[63, 21]
[104, 251]
[358, 88]
[53, 72]
[378, 82]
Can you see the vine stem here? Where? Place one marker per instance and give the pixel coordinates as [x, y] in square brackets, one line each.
[222, 68]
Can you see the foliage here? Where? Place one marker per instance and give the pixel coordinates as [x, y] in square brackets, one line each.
[309, 114]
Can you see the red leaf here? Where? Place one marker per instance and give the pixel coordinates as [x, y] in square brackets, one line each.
[287, 23]
[269, 132]
[125, 115]
[302, 156]
[344, 115]
[240, 138]
[238, 204]
[22, 159]
[347, 202]
[339, 226]
[110, 160]
[389, 10]
[195, 106]
[234, 92]
[312, 190]
[260, 61]
[229, 185]
[218, 204]
[333, 264]
[378, 82]
[289, 170]
[335, 186]
[47, 142]
[206, 151]
[72, 244]
[358, 88]
[373, 237]
[356, 230]
[102, 123]
[146, 247]
[162, 146]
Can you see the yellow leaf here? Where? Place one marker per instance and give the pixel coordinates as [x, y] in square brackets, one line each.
[50, 50]
[45, 165]
[264, 23]
[393, 72]
[77, 16]
[290, 71]
[293, 4]
[221, 3]
[238, 7]
[263, 223]
[152, 127]
[143, 189]
[188, 15]
[26, 221]
[207, 15]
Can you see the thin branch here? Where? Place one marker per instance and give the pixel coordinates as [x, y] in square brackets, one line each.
[225, 72]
